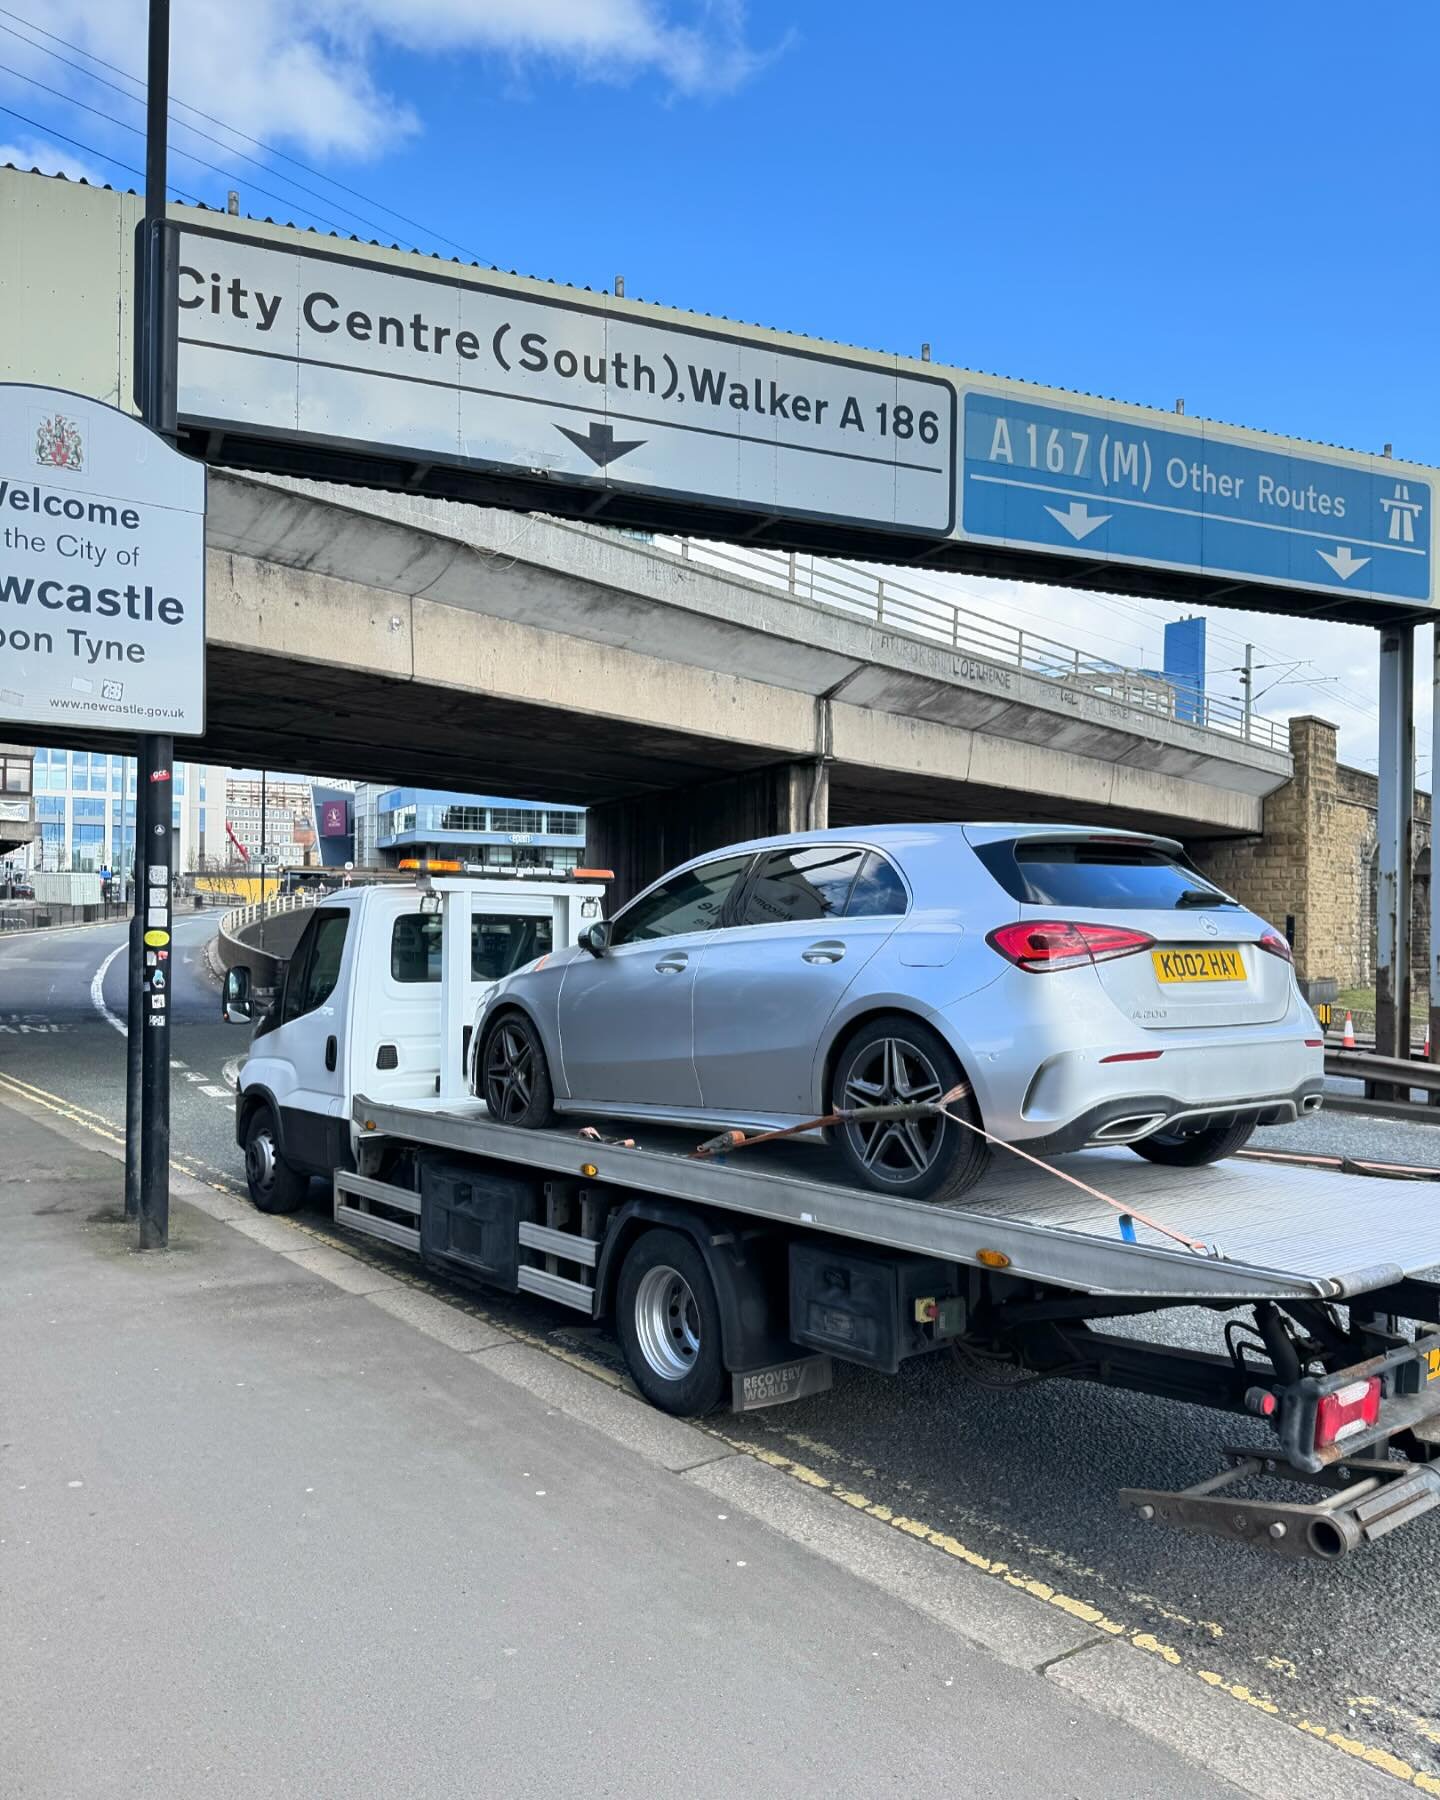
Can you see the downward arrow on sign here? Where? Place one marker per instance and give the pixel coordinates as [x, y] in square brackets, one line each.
[1343, 560]
[1078, 520]
[600, 444]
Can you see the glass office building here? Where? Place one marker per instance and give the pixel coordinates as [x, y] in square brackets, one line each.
[483, 831]
[85, 811]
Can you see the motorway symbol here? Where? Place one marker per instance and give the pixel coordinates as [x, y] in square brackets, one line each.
[1050, 476]
[600, 443]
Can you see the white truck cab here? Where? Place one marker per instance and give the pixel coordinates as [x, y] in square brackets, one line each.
[366, 1003]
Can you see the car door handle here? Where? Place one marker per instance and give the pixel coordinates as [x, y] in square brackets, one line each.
[332, 1056]
[674, 963]
[828, 950]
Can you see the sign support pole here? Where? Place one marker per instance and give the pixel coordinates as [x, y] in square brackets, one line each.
[149, 979]
[1397, 794]
[135, 1002]
[1434, 1021]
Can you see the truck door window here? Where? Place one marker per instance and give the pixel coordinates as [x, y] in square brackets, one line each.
[499, 943]
[315, 967]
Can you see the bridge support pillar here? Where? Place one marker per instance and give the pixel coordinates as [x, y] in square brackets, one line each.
[1396, 806]
[640, 838]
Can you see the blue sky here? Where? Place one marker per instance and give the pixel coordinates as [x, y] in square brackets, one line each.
[1232, 203]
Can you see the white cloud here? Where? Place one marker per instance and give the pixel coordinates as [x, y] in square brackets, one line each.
[49, 159]
[310, 73]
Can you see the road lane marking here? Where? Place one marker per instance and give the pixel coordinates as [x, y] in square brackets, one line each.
[216, 1093]
[97, 992]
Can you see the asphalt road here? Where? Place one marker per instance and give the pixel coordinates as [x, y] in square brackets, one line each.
[1025, 1478]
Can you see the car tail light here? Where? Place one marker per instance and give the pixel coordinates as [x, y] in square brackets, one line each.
[1349, 1410]
[1275, 945]
[1060, 944]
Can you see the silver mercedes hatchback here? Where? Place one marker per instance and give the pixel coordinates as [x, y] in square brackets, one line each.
[1084, 987]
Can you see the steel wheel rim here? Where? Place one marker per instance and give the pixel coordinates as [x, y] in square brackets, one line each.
[509, 1073]
[667, 1322]
[260, 1160]
[893, 1071]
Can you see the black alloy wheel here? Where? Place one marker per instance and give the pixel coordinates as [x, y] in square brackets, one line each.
[897, 1061]
[515, 1079]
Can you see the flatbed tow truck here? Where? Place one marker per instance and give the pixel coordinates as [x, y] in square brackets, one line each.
[738, 1278]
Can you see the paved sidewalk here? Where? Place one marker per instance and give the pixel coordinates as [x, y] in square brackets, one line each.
[259, 1535]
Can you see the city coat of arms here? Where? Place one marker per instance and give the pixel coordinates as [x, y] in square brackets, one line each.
[58, 444]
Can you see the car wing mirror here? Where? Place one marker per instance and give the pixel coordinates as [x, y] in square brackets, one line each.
[595, 938]
[236, 1007]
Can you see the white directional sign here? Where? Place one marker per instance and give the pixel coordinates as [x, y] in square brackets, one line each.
[447, 367]
[102, 569]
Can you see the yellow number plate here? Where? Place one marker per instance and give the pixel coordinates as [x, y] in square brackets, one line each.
[1198, 965]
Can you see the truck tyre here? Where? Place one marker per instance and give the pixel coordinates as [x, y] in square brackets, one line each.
[274, 1185]
[512, 1076]
[669, 1325]
[1190, 1149]
[892, 1060]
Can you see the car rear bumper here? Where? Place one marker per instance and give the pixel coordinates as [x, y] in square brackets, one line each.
[1128, 1118]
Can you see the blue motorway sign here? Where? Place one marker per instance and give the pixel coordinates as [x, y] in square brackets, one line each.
[1104, 484]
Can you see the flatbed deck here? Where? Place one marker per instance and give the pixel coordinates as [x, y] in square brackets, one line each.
[1282, 1232]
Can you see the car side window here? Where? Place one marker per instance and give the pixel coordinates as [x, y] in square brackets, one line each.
[878, 891]
[690, 901]
[811, 881]
[315, 967]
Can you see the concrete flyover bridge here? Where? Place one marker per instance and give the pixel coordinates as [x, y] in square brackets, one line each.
[686, 703]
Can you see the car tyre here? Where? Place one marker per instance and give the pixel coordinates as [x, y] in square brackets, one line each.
[513, 1077]
[668, 1322]
[891, 1060]
[1192, 1149]
[275, 1185]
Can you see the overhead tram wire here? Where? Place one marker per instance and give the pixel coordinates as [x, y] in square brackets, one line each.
[91, 150]
[189, 155]
[184, 125]
[234, 130]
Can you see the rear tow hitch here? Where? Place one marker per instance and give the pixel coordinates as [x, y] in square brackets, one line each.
[1369, 1495]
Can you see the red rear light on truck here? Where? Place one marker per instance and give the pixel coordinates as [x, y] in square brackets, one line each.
[1275, 945]
[1346, 1412]
[1060, 944]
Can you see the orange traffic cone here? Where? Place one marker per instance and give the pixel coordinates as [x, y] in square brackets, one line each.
[1349, 1037]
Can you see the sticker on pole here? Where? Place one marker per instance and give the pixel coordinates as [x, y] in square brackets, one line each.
[102, 570]
[156, 938]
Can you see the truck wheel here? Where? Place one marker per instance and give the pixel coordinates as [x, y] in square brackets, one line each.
[669, 1325]
[893, 1060]
[274, 1186]
[514, 1078]
[1190, 1149]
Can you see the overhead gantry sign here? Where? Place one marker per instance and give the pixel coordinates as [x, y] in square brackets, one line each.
[377, 366]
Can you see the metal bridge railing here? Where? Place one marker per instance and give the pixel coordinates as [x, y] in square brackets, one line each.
[914, 611]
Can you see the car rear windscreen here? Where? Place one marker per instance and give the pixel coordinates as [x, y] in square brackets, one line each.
[1120, 876]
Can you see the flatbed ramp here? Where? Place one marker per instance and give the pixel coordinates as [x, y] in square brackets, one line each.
[1282, 1232]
